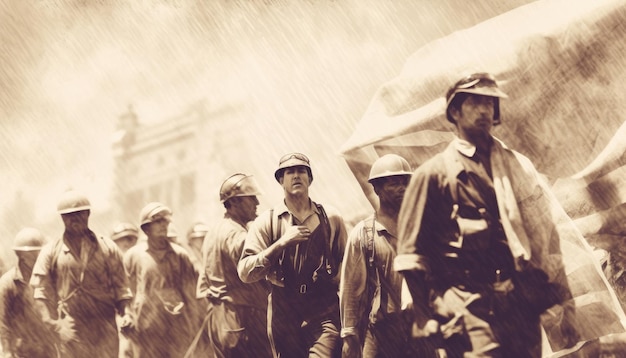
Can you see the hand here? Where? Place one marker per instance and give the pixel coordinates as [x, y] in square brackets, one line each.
[568, 326]
[351, 347]
[430, 328]
[127, 326]
[295, 235]
[64, 327]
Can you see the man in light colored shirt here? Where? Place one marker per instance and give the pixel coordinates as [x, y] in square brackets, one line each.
[373, 323]
[237, 321]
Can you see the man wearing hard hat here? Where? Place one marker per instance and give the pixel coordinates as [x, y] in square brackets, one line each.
[165, 310]
[237, 321]
[125, 235]
[298, 245]
[374, 321]
[478, 247]
[79, 284]
[23, 332]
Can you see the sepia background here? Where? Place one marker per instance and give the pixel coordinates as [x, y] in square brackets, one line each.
[270, 76]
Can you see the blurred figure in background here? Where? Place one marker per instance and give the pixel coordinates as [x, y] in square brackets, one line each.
[172, 234]
[166, 313]
[237, 320]
[195, 238]
[23, 332]
[125, 236]
[80, 284]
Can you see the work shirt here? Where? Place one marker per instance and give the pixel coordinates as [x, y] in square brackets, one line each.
[265, 230]
[429, 236]
[358, 277]
[88, 286]
[21, 328]
[219, 280]
[164, 283]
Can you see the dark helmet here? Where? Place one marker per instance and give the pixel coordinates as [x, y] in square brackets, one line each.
[28, 239]
[293, 160]
[73, 201]
[478, 83]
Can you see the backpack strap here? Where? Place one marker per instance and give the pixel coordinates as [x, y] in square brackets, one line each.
[374, 290]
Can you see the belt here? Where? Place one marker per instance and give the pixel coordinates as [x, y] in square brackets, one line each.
[473, 278]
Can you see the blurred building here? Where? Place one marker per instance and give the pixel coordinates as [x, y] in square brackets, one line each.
[178, 161]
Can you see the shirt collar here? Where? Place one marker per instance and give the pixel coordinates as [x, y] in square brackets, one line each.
[281, 208]
[464, 147]
[17, 274]
[91, 236]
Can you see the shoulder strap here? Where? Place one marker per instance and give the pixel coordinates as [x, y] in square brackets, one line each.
[368, 230]
[328, 258]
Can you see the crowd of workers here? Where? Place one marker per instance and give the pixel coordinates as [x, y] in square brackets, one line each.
[455, 261]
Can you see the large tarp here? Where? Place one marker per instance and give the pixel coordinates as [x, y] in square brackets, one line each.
[563, 65]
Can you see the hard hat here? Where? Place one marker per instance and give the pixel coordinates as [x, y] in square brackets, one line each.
[293, 160]
[483, 84]
[197, 230]
[28, 239]
[124, 229]
[238, 185]
[389, 165]
[73, 201]
[154, 211]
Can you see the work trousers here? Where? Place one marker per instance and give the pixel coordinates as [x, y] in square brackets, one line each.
[238, 331]
[304, 326]
[390, 337]
[483, 323]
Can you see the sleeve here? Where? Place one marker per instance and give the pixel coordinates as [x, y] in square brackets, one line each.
[353, 282]
[410, 221]
[119, 281]
[43, 287]
[5, 310]
[253, 266]
[235, 244]
[202, 287]
[129, 268]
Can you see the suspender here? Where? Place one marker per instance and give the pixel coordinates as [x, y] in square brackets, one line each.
[325, 227]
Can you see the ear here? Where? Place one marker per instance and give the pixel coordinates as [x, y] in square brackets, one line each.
[455, 114]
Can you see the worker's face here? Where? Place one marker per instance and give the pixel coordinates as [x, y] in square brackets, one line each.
[76, 222]
[391, 190]
[27, 257]
[475, 117]
[157, 228]
[126, 242]
[244, 208]
[296, 180]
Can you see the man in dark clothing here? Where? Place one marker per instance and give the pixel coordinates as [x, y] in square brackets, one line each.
[298, 245]
[84, 277]
[237, 322]
[23, 332]
[478, 246]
